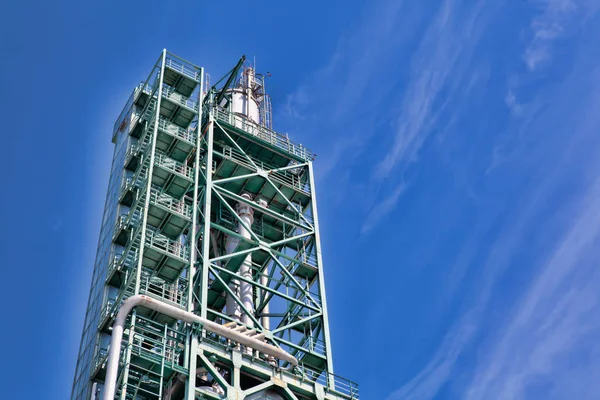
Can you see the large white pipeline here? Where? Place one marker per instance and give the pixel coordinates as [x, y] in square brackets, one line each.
[112, 364]
[242, 289]
[232, 308]
[246, 214]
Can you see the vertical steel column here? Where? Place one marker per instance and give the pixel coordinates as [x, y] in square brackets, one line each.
[313, 200]
[207, 208]
[138, 273]
[150, 172]
[190, 387]
[193, 338]
[192, 268]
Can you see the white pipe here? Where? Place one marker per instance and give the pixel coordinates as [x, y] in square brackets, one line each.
[246, 293]
[185, 316]
[266, 320]
[94, 391]
[232, 308]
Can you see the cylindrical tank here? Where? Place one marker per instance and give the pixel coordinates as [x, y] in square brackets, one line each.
[241, 288]
[244, 98]
[231, 307]
[245, 105]
[246, 214]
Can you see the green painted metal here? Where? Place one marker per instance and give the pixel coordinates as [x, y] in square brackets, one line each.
[187, 159]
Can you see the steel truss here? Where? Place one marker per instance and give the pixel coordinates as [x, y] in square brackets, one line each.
[190, 163]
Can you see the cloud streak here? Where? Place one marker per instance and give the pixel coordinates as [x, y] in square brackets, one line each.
[440, 64]
[540, 349]
[549, 26]
[554, 315]
[382, 209]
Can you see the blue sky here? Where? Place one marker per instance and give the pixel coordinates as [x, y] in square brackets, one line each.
[457, 176]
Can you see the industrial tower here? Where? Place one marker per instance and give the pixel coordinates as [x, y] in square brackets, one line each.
[208, 280]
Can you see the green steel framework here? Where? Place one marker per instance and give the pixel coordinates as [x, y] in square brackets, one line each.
[189, 160]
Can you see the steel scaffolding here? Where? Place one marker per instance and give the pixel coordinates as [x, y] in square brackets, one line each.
[185, 164]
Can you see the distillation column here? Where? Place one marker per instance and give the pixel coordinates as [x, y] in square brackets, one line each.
[242, 289]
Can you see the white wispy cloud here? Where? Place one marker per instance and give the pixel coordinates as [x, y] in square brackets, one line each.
[441, 76]
[513, 105]
[382, 209]
[555, 316]
[545, 29]
[543, 344]
[441, 63]
[429, 381]
[345, 94]
[350, 89]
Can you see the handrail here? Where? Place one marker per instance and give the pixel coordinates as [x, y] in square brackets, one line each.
[173, 292]
[182, 69]
[275, 139]
[177, 167]
[332, 382]
[285, 177]
[162, 242]
[169, 93]
[175, 130]
[177, 206]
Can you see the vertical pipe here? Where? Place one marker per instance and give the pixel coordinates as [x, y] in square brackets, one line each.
[240, 288]
[94, 391]
[246, 290]
[232, 308]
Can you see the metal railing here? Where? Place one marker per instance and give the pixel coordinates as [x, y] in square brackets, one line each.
[301, 373]
[285, 177]
[135, 150]
[315, 345]
[183, 69]
[169, 93]
[332, 382]
[176, 206]
[113, 264]
[118, 262]
[307, 258]
[343, 386]
[157, 342]
[162, 243]
[100, 358]
[174, 166]
[273, 138]
[188, 134]
[172, 292]
[107, 309]
[122, 224]
[132, 184]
